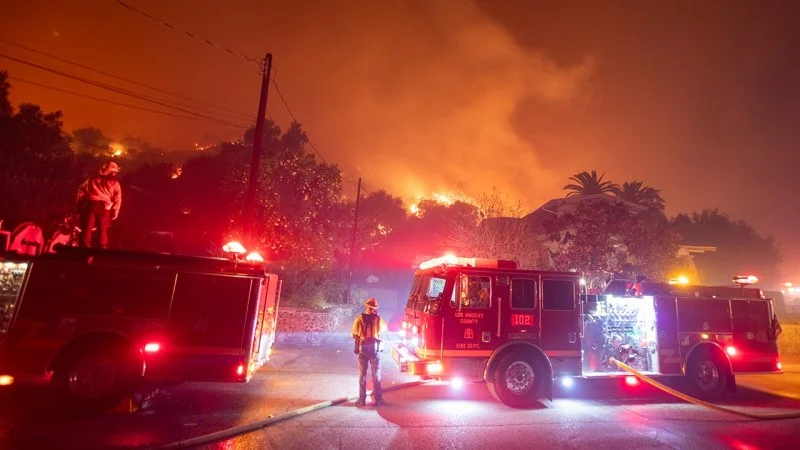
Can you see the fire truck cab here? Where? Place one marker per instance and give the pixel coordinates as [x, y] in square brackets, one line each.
[519, 331]
[97, 323]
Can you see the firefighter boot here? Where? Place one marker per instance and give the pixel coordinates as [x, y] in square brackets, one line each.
[361, 402]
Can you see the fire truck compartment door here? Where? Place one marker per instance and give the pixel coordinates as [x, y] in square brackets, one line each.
[756, 351]
[206, 329]
[560, 322]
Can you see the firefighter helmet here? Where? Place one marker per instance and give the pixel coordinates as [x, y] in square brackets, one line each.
[371, 303]
[111, 166]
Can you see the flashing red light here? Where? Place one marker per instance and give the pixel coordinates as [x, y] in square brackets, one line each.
[779, 365]
[745, 280]
[254, 257]
[240, 369]
[442, 261]
[453, 260]
[234, 247]
[152, 347]
[631, 380]
[731, 350]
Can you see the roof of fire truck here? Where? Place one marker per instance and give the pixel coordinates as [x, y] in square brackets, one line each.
[128, 258]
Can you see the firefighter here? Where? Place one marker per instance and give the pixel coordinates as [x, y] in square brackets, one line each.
[366, 333]
[99, 200]
[636, 288]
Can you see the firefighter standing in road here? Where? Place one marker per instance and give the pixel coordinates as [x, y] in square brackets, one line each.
[367, 329]
[99, 200]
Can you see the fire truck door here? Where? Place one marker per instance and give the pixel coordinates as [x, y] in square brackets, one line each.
[472, 326]
[560, 318]
[206, 327]
[669, 350]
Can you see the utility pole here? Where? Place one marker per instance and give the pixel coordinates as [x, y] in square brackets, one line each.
[353, 244]
[258, 142]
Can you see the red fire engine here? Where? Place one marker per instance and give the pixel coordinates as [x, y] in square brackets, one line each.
[96, 323]
[470, 319]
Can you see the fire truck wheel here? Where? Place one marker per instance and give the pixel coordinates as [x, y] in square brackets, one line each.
[518, 380]
[707, 375]
[96, 378]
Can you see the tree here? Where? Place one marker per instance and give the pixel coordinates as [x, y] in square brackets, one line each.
[92, 141]
[6, 110]
[610, 238]
[298, 198]
[380, 214]
[498, 233]
[636, 192]
[39, 174]
[586, 183]
[740, 250]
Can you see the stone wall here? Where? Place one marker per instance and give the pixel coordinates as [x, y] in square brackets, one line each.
[310, 327]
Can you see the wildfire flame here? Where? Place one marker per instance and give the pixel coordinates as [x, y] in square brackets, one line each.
[441, 198]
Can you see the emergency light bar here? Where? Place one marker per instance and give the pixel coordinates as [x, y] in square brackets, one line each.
[745, 280]
[254, 257]
[452, 260]
[234, 247]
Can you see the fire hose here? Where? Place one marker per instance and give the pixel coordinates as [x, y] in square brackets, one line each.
[699, 402]
[271, 420]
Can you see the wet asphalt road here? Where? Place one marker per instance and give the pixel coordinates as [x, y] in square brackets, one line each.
[597, 415]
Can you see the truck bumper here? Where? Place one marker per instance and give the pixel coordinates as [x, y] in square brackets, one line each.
[408, 361]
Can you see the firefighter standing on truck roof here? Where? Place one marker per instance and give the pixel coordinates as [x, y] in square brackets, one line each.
[99, 200]
[366, 333]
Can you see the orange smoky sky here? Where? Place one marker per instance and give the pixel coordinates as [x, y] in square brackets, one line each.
[698, 99]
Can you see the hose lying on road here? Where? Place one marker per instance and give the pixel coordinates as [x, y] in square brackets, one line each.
[248, 428]
[695, 401]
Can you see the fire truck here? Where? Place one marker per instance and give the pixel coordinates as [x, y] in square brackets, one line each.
[521, 331]
[98, 323]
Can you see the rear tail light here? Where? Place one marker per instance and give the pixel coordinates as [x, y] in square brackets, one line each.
[731, 350]
[152, 347]
[240, 370]
[779, 365]
[631, 380]
[6, 380]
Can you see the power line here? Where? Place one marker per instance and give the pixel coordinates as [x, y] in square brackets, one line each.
[193, 36]
[133, 94]
[289, 110]
[128, 105]
[123, 78]
[233, 52]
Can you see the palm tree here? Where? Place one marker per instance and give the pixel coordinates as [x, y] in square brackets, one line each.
[589, 184]
[637, 192]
